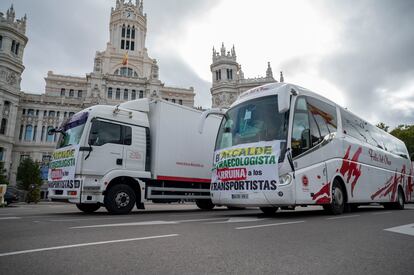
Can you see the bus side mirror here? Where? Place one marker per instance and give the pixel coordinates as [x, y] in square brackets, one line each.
[305, 139]
[207, 113]
[283, 102]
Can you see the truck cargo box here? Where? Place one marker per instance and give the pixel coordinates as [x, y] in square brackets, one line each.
[178, 151]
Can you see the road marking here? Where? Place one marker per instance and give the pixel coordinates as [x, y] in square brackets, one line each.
[407, 229]
[200, 220]
[10, 218]
[271, 224]
[382, 213]
[84, 244]
[144, 223]
[125, 224]
[235, 220]
[343, 217]
[87, 219]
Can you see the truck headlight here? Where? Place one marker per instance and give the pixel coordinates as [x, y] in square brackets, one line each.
[285, 179]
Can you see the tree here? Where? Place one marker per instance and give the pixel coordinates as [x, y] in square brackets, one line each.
[406, 134]
[29, 179]
[3, 178]
[383, 126]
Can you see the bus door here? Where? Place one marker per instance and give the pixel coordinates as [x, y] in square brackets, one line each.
[313, 132]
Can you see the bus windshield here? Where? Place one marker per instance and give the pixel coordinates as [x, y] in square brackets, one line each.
[72, 130]
[253, 121]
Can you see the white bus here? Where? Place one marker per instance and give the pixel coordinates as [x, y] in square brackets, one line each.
[281, 145]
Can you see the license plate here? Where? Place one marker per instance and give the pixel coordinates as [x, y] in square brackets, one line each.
[239, 196]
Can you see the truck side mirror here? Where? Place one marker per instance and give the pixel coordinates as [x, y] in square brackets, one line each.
[305, 139]
[51, 131]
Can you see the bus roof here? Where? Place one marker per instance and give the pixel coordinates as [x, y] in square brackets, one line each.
[275, 89]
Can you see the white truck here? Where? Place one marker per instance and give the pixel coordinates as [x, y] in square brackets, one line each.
[121, 156]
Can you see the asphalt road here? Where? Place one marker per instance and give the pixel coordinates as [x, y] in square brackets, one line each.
[180, 239]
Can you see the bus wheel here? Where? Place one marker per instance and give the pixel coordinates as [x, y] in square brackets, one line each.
[119, 199]
[269, 210]
[88, 207]
[399, 205]
[206, 204]
[337, 205]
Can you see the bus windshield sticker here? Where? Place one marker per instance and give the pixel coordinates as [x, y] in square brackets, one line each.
[247, 167]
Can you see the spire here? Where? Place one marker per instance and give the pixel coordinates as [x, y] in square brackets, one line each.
[10, 13]
[223, 49]
[214, 52]
[241, 74]
[282, 79]
[269, 73]
[141, 6]
[233, 51]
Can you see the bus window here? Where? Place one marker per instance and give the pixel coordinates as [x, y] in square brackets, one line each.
[300, 131]
[353, 126]
[324, 114]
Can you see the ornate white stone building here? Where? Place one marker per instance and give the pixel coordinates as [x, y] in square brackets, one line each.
[228, 78]
[123, 71]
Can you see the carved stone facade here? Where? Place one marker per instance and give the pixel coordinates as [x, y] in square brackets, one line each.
[123, 71]
[228, 78]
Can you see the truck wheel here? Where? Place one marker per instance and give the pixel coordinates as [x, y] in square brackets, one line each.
[205, 204]
[269, 210]
[88, 207]
[337, 205]
[119, 199]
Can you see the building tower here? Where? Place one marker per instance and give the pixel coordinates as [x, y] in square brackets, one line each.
[225, 73]
[13, 41]
[228, 78]
[126, 54]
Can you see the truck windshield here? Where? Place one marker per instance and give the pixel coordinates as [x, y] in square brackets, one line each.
[253, 121]
[72, 130]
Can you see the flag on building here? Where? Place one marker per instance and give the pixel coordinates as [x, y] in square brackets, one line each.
[125, 60]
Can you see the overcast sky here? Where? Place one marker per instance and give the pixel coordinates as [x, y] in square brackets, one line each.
[360, 54]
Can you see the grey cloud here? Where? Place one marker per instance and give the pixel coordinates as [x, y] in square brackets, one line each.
[178, 74]
[64, 35]
[377, 42]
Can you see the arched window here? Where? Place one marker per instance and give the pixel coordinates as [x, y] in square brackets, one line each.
[71, 93]
[133, 95]
[123, 31]
[49, 138]
[6, 108]
[28, 133]
[126, 94]
[110, 92]
[1, 153]
[125, 71]
[1, 41]
[3, 126]
[133, 32]
[128, 34]
[51, 113]
[34, 133]
[62, 92]
[42, 134]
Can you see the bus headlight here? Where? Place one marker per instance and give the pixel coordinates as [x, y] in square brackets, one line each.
[285, 179]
